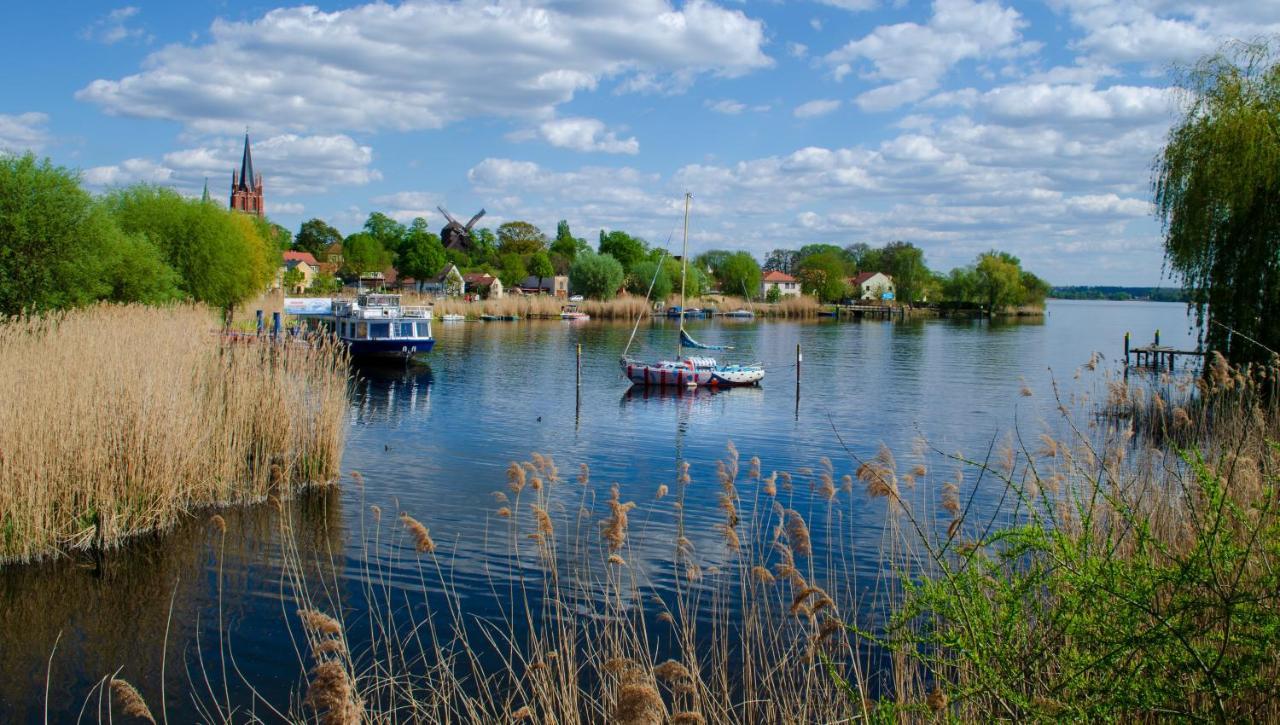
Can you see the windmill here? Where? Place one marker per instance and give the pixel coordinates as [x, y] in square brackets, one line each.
[455, 235]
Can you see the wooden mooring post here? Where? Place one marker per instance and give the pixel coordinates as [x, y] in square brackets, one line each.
[578, 378]
[799, 359]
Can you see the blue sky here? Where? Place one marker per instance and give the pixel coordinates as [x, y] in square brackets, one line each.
[958, 125]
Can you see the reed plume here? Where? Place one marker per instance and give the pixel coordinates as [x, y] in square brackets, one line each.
[422, 540]
[130, 700]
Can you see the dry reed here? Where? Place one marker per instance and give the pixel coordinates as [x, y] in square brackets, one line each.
[121, 420]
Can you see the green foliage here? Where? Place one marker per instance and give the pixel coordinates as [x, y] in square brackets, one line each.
[773, 295]
[293, 277]
[739, 274]
[623, 247]
[484, 249]
[642, 275]
[540, 266]
[782, 260]
[566, 245]
[810, 250]
[823, 275]
[1080, 612]
[421, 254]
[595, 275]
[280, 237]
[363, 254]
[325, 283]
[903, 262]
[389, 232]
[315, 236]
[519, 237]
[220, 256]
[999, 280]
[1215, 186]
[512, 271]
[60, 249]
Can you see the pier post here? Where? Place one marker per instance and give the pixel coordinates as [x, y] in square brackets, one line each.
[578, 378]
[1157, 337]
[275, 325]
[1126, 349]
[799, 359]
[259, 316]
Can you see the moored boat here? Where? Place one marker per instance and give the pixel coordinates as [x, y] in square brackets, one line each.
[571, 312]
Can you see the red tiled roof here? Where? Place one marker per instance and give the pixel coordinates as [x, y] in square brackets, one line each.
[292, 256]
[479, 278]
[863, 277]
[776, 276]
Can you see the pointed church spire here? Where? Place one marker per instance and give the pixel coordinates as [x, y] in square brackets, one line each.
[246, 165]
[205, 196]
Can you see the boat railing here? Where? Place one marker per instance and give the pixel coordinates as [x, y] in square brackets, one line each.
[417, 311]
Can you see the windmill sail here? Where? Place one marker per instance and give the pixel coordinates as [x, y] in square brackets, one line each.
[687, 341]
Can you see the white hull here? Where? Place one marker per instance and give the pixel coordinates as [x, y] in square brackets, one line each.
[687, 374]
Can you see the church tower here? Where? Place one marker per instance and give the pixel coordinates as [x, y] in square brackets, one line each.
[246, 188]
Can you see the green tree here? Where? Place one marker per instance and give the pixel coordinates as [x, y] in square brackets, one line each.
[540, 267]
[484, 249]
[961, 285]
[512, 270]
[823, 275]
[596, 275]
[773, 295]
[325, 283]
[904, 262]
[363, 254]
[623, 247]
[642, 275]
[221, 256]
[519, 237]
[389, 232]
[421, 253]
[1034, 290]
[58, 248]
[809, 250]
[782, 260]
[315, 236]
[566, 245]
[739, 274]
[999, 280]
[293, 278]
[1216, 184]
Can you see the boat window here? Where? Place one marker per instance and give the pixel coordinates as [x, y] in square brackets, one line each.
[380, 329]
[362, 330]
[406, 330]
[424, 329]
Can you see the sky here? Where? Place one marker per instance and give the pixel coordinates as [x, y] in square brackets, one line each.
[956, 125]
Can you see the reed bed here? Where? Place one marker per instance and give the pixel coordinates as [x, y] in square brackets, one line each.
[1084, 573]
[122, 420]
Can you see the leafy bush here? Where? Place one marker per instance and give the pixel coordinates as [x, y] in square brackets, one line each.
[595, 275]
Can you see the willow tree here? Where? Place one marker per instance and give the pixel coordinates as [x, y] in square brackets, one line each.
[1217, 195]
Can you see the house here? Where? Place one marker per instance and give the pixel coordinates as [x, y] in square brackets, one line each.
[449, 283]
[872, 286]
[331, 259]
[786, 285]
[303, 262]
[485, 285]
[557, 285]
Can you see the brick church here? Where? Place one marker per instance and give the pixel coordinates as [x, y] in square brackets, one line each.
[246, 188]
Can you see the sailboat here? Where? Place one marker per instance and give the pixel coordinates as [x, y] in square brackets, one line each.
[691, 371]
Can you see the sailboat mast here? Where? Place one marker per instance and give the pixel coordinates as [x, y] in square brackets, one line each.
[684, 270]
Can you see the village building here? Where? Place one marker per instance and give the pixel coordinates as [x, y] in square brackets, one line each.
[303, 262]
[246, 187]
[449, 283]
[872, 286]
[557, 285]
[485, 285]
[786, 284]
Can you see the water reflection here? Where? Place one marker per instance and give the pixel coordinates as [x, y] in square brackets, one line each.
[386, 392]
[85, 621]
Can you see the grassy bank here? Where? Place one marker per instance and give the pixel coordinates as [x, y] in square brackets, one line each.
[120, 420]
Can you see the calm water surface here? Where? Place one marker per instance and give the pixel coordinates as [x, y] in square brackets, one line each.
[435, 442]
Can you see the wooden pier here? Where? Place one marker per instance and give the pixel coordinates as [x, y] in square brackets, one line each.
[1155, 355]
[871, 312]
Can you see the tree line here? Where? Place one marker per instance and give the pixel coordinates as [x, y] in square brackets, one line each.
[60, 246]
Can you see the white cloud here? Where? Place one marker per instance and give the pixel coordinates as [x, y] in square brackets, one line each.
[815, 108]
[422, 65]
[23, 132]
[727, 106]
[293, 208]
[289, 164]
[405, 206]
[913, 57]
[586, 134]
[851, 5]
[114, 27]
[797, 50]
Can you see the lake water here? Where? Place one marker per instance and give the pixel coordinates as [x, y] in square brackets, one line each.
[435, 442]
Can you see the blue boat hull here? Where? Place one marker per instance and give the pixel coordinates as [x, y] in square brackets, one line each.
[389, 348]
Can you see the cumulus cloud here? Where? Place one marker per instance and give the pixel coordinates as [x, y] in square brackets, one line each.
[23, 132]
[815, 108]
[851, 5]
[368, 67]
[912, 58]
[114, 27]
[289, 164]
[405, 206]
[727, 106]
[586, 134]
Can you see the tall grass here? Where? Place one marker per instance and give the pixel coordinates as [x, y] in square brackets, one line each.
[120, 420]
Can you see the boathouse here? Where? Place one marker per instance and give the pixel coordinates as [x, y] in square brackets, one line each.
[872, 286]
